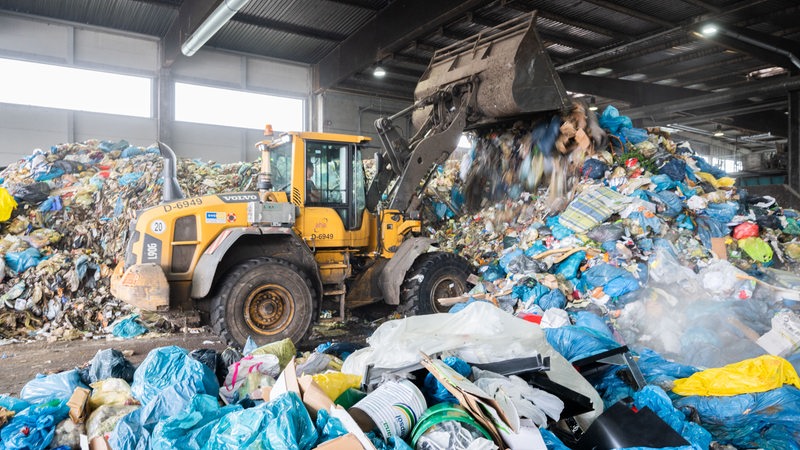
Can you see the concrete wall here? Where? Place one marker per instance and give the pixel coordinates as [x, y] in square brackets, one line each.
[339, 112]
[23, 128]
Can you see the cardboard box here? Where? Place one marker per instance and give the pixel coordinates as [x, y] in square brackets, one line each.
[77, 404]
[286, 382]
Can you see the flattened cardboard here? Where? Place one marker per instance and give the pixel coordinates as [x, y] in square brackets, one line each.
[479, 404]
[286, 382]
[719, 248]
[77, 404]
[351, 426]
[347, 442]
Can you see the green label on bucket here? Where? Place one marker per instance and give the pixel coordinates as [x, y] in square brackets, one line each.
[395, 407]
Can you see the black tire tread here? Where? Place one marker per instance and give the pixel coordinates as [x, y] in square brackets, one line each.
[411, 288]
[219, 302]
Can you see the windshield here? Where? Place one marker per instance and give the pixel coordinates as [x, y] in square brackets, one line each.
[281, 161]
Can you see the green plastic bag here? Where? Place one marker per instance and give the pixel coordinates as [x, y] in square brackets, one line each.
[7, 205]
[757, 249]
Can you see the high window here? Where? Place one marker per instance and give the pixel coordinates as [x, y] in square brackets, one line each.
[228, 107]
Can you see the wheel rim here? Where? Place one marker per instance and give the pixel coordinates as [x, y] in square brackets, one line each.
[446, 286]
[269, 309]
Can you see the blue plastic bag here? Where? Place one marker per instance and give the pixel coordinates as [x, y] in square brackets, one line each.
[646, 221]
[559, 231]
[33, 428]
[48, 387]
[528, 294]
[129, 327]
[190, 429]
[282, 423]
[167, 366]
[551, 441]
[615, 281]
[708, 227]
[612, 121]
[574, 342]
[21, 261]
[675, 169]
[672, 203]
[722, 212]
[764, 420]
[704, 166]
[657, 400]
[435, 392]
[569, 267]
[493, 272]
[328, 427]
[130, 178]
[536, 248]
[634, 135]
[553, 299]
[594, 168]
[13, 404]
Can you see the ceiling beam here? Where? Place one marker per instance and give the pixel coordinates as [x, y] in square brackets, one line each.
[290, 28]
[772, 49]
[390, 29]
[363, 4]
[632, 12]
[633, 92]
[773, 88]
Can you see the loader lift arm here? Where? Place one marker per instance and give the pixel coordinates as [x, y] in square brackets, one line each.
[498, 75]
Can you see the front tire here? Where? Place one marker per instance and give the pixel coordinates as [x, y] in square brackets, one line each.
[433, 276]
[264, 298]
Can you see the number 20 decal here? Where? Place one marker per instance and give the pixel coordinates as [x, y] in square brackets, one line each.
[158, 226]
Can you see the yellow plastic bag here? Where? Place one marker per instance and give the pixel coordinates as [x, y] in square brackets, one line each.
[716, 182]
[751, 375]
[111, 391]
[7, 205]
[335, 383]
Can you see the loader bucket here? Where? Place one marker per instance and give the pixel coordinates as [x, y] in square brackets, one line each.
[515, 75]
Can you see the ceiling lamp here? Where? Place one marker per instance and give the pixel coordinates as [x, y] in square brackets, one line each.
[592, 104]
[718, 132]
[709, 29]
[378, 72]
[219, 17]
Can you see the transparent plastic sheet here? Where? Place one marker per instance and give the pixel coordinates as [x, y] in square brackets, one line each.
[765, 420]
[480, 333]
[452, 435]
[682, 320]
[105, 418]
[34, 427]
[191, 428]
[283, 349]
[167, 366]
[68, 433]
[281, 423]
[47, 387]
[239, 372]
[110, 391]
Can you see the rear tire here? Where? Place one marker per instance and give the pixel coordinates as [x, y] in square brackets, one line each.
[432, 276]
[264, 298]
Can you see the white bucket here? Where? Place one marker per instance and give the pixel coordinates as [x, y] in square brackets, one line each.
[395, 407]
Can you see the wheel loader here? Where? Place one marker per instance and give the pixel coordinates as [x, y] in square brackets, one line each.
[260, 263]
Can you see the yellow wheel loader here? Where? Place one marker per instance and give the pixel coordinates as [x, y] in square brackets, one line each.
[260, 263]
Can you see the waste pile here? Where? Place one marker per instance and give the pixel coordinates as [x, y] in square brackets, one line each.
[649, 305]
[66, 214]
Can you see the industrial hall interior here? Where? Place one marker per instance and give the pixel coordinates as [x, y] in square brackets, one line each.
[399, 224]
